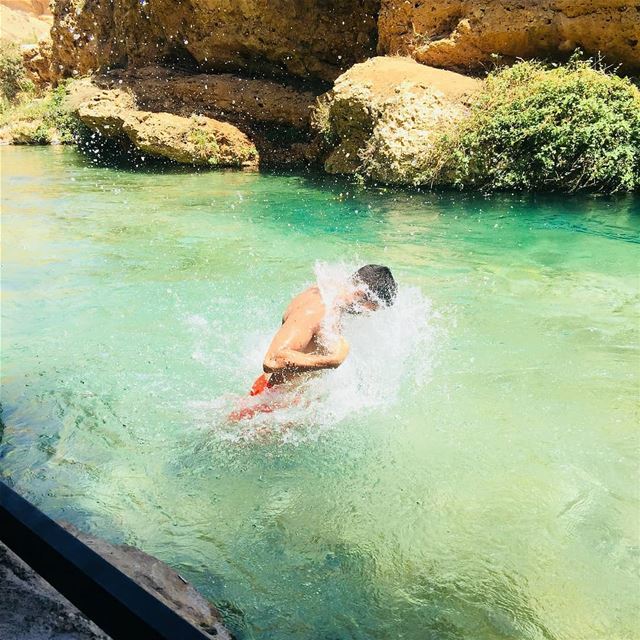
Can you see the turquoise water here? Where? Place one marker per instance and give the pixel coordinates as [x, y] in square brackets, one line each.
[470, 473]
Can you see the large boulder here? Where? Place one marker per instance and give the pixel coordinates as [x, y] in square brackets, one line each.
[306, 38]
[239, 100]
[473, 34]
[197, 140]
[381, 116]
[160, 580]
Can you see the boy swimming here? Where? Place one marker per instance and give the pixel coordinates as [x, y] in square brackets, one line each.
[304, 344]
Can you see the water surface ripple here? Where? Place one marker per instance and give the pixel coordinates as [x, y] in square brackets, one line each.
[472, 474]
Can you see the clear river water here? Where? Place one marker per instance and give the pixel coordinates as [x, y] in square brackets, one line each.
[471, 472]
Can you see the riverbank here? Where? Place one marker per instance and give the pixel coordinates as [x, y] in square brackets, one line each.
[529, 127]
[31, 609]
[446, 104]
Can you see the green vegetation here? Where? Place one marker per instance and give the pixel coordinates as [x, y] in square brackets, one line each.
[29, 115]
[534, 127]
[321, 120]
[13, 79]
[205, 144]
[41, 120]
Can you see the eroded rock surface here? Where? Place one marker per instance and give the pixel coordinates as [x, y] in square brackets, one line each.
[381, 116]
[239, 100]
[37, 62]
[306, 38]
[196, 140]
[160, 580]
[31, 609]
[467, 33]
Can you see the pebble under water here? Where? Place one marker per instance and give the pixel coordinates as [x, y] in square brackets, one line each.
[471, 472]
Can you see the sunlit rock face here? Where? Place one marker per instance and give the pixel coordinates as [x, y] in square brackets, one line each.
[197, 140]
[87, 35]
[24, 20]
[305, 38]
[468, 34]
[381, 116]
[244, 101]
[37, 62]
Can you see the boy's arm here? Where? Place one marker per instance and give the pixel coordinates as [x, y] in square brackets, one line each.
[292, 360]
[285, 352]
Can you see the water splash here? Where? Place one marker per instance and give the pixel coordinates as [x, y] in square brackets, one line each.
[381, 364]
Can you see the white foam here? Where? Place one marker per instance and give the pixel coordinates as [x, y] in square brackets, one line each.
[390, 349]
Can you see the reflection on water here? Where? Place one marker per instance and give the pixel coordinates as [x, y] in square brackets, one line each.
[470, 473]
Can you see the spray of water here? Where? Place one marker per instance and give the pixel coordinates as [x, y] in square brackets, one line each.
[391, 350]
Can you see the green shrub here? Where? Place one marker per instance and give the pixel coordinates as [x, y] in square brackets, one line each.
[205, 144]
[535, 127]
[13, 79]
[42, 120]
[59, 117]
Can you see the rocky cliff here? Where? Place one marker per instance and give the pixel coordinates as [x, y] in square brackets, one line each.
[259, 65]
[304, 38]
[322, 38]
[24, 20]
[473, 34]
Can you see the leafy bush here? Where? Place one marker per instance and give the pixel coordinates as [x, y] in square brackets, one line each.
[42, 120]
[205, 144]
[13, 79]
[59, 117]
[535, 127]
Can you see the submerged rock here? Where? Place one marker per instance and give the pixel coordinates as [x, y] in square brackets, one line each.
[160, 580]
[380, 117]
[462, 34]
[196, 140]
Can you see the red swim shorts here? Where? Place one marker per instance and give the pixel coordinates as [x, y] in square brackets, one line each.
[261, 384]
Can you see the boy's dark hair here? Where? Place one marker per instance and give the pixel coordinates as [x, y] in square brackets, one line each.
[379, 281]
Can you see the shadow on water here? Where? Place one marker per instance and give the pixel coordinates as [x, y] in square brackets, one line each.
[463, 607]
[346, 592]
[358, 200]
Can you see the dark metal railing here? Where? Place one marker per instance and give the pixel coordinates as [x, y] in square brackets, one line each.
[117, 604]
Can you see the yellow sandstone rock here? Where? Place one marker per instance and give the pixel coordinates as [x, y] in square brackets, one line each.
[197, 140]
[24, 21]
[468, 34]
[381, 116]
[306, 38]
